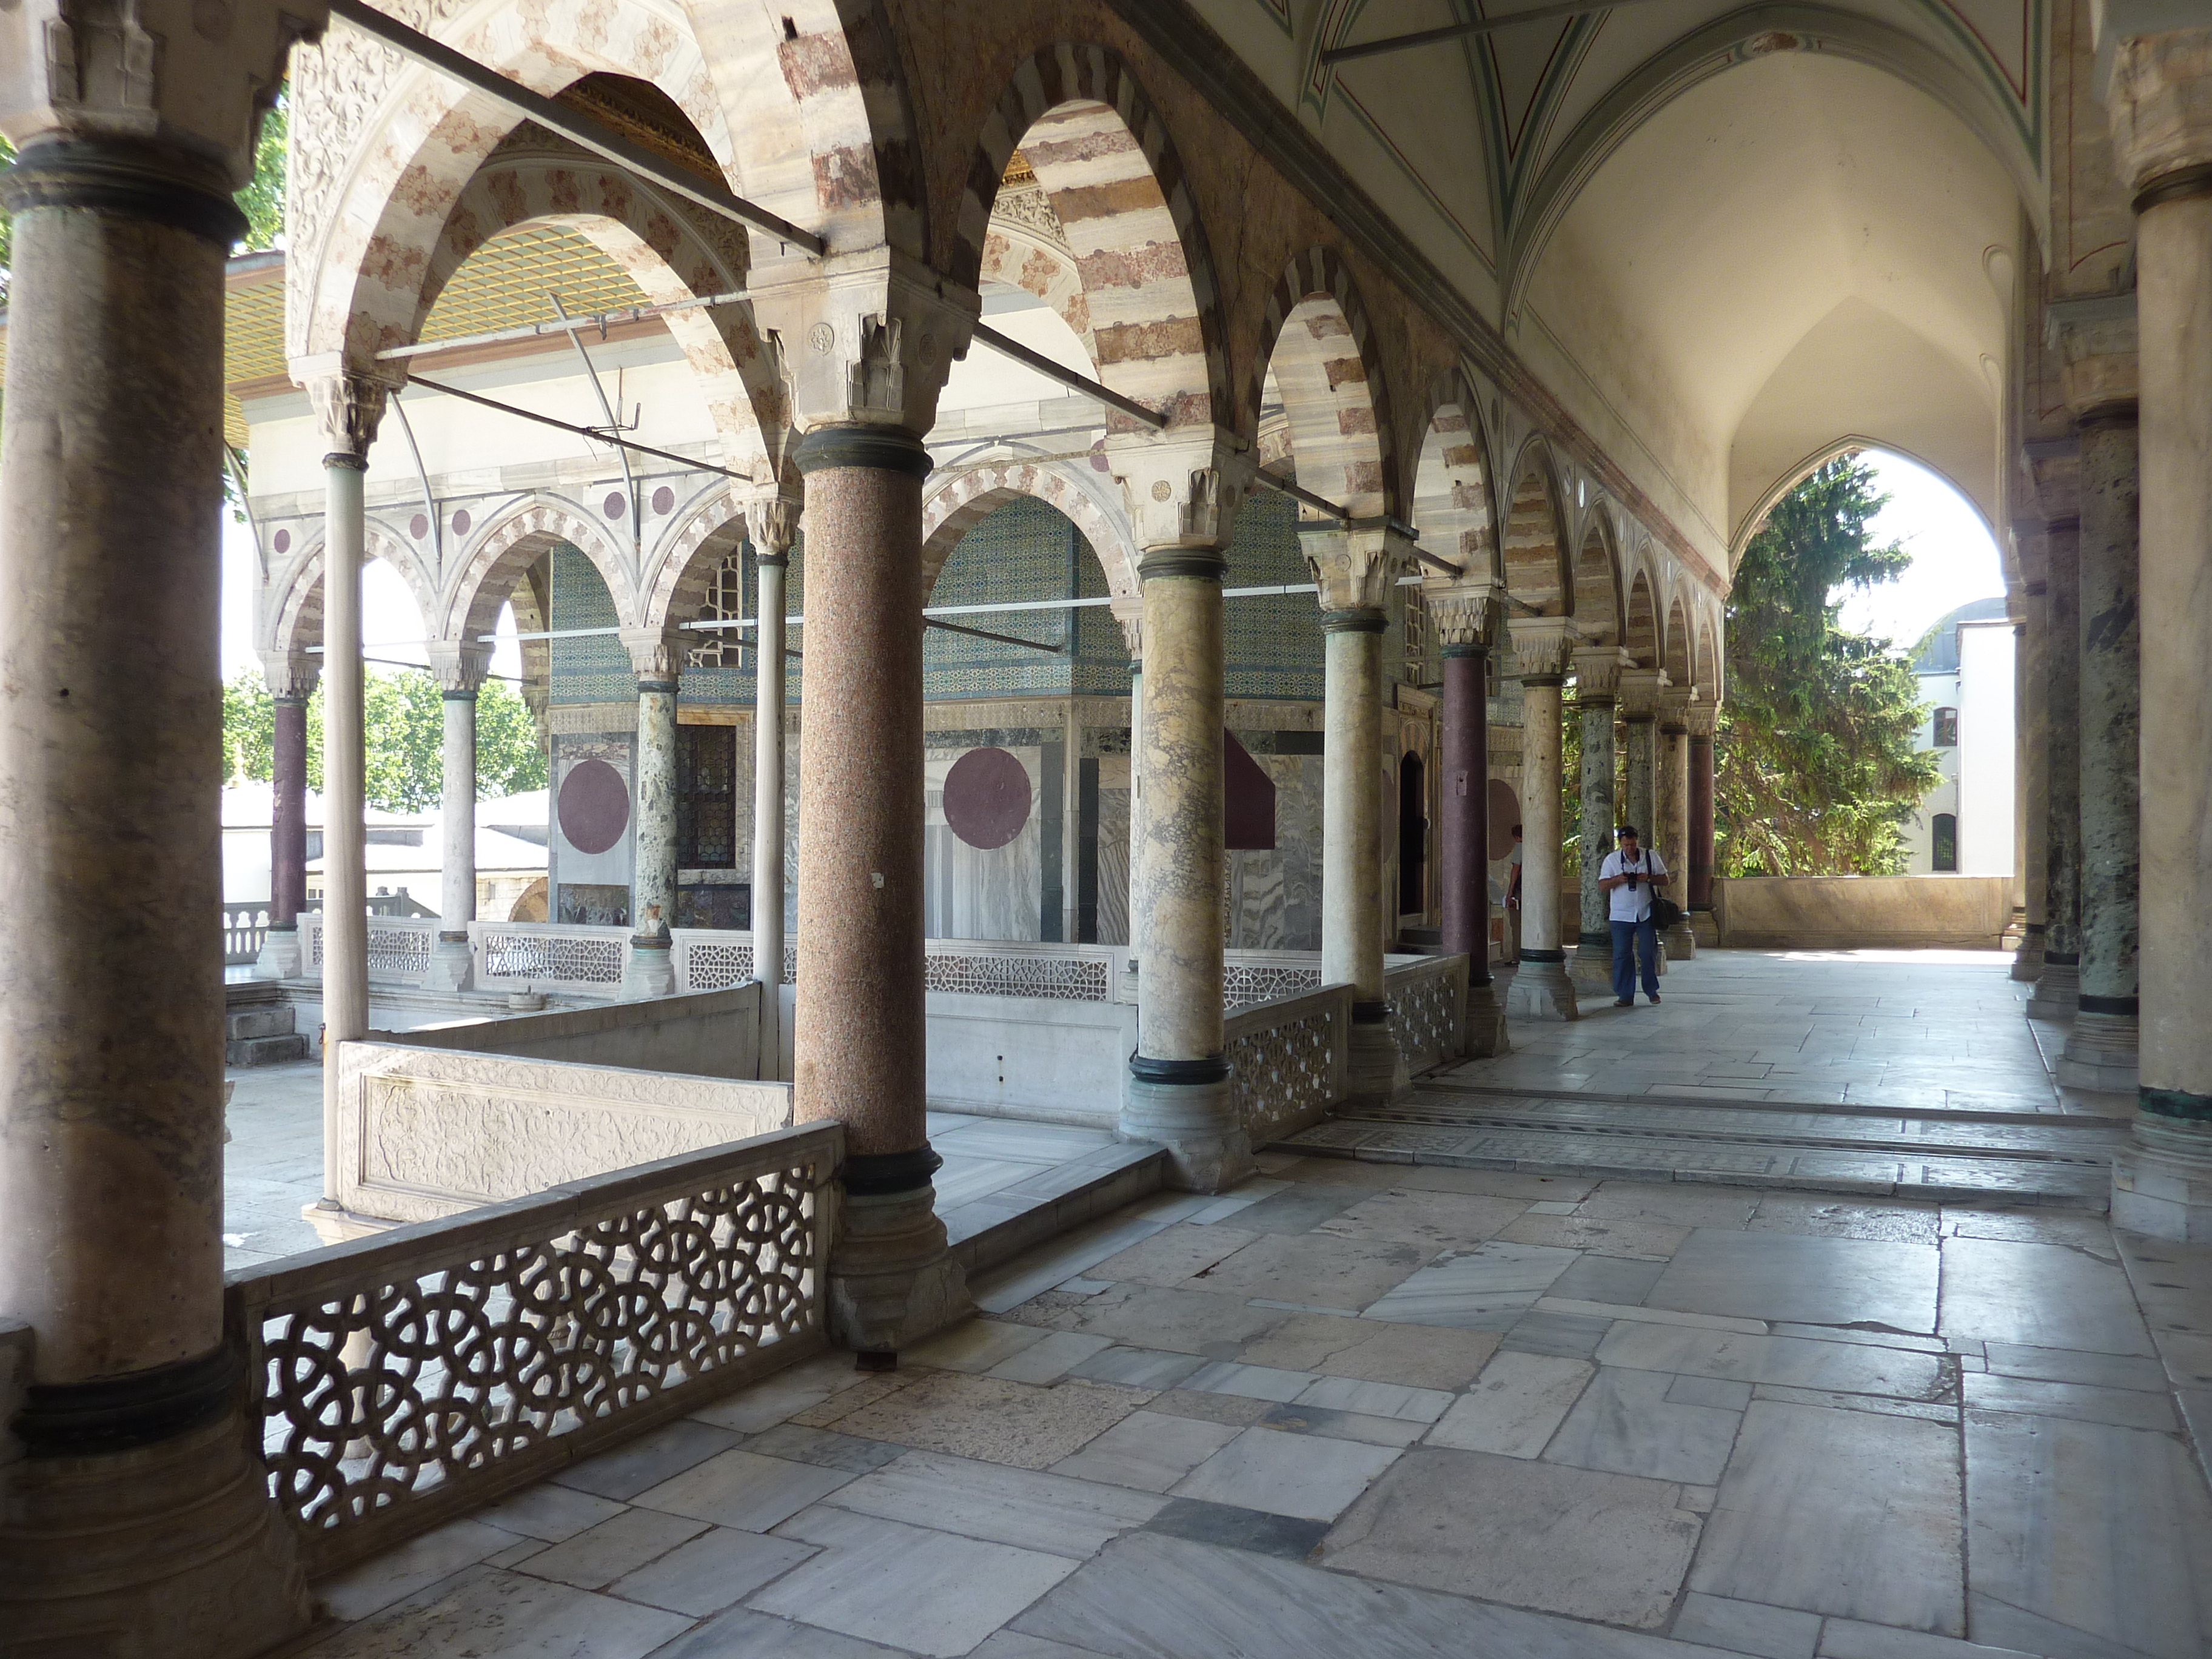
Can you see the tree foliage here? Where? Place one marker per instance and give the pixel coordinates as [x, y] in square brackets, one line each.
[405, 721]
[1816, 763]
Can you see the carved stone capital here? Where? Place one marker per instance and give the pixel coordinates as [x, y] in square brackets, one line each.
[460, 665]
[1639, 691]
[1352, 566]
[2159, 99]
[1462, 612]
[349, 407]
[1702, 719]
[1674, 708]
[1129, 611]
[1542, 646]
[772, 523]
[1182, 487]
[290, 674]
[2054, 469]
[866, 339]
[2095, 339]
[1598, 669]
[656, 654]
[186, 80]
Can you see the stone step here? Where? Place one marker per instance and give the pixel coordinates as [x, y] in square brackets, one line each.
[2021, 1160]
[277, 1050]
[279, 1019]
[999, 1226]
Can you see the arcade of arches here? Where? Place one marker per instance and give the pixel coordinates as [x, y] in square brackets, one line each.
[1188, 469]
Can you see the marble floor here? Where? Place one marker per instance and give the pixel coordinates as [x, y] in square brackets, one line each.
[1927, 1030]
[1377, 1411]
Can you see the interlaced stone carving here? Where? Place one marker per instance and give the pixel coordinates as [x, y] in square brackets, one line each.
[572, 958]
[415, 1379]
[1243, 983]
[1065, 979]
[399, 951]
[1284, 1074]
[714, 965]
[1424, 1012]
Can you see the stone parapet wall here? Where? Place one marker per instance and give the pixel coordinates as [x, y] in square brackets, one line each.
[708, 1034]
[1844, 913]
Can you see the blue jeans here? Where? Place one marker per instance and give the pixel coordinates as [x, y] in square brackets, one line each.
[1646, 938]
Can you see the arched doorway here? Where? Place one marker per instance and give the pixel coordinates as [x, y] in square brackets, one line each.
[1412, 837]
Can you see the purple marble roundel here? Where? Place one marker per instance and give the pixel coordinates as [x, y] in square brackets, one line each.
[986, 798]
[594, 806]
[614, 507]
[664, 500]
[283, 541]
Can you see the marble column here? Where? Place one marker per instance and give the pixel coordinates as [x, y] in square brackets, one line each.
[2100, 1049]
[772, 526]
[135, 1519]
[1177, 1092]
[351, 407]
[1701, 717]
[2034, 748]
[2160, 106]
[861, 1033]
[1352, 844]
[1464, 811]
[1541, 987]
[2058, 988]
[1673, 817]
[1597, 683]
[460, 668]
[652, 970]
[292, 682]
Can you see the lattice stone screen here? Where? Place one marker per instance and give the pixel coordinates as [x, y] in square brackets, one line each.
[585, 959]
[987, 973]
[1245, 983]
[1288, 1059]
[400, 951]
[1428, 1010]
[406, 1379]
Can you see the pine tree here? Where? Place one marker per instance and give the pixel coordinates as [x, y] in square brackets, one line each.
[1817, 767]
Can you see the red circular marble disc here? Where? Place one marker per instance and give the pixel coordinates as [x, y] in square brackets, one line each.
[594, 806]
[986, 798]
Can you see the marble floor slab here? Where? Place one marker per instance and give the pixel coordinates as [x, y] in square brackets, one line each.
[1148, 1451]
[2043, 1296]
[742, 1489]
[1287, 1475]
[1815, 1280]
[715, 1571]
[1629, 1423]
[1053, 1513]
[1515, 1407]
[1486, 1288]
[1882, 1542]
[486, 1614]
[1796, 1362]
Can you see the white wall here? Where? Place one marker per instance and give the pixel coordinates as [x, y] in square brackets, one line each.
[1986, 756]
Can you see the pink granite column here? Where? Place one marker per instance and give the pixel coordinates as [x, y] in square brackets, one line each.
[861, 1033]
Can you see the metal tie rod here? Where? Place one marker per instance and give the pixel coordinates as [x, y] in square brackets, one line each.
[602, 321]
[576, 129]
[1067, 377]
[1322, 504]
[1336, 55]
[595, 435]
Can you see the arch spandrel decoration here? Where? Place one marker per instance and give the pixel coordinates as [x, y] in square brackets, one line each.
[972, 494]
[1098, 146]
[509, 544]
[294, 621]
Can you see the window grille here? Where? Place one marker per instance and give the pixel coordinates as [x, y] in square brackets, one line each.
[725, 602]
[706, 797]
[1947, 728]
[1947, 843]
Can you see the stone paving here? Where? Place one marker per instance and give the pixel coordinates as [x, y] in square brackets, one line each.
[1380, 1411]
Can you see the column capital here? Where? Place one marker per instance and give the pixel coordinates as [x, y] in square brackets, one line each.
[460, 665]
[2054, 468]
[2159, 98]
[1129, 611]
[1598, 669]
[2095, 340]
[182, 84]
[863, 339]
[1640, 690]
[1542, 646]
[1701, 719]
[1353, 564]
[1464, 612]
[1674, 708]
[657, 653]
[349, 406]
[772, 522]
[291, 674]
[1183, 486]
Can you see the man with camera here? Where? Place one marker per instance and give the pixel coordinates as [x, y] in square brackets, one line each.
[1632, 877]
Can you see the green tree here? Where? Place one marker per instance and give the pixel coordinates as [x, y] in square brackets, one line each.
[404, 756]
[1816, 766]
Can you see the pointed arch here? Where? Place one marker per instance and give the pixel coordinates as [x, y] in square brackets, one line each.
[1317, 342]
[1598, 608]
[1091, 134]
[707, 529]
[1641, 635]
[1674, 646]
[508, 545]
[975, 493]
[1708, 665]
[1533, 550]
[296, 620]
[1453, 512]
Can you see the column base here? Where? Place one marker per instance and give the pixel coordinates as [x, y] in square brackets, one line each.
[1543, 990]
[2162, 1180]
[652, 970]
[336, 1224]
[2058, 991]
[893, 1279]
[1705, 929]
[2099, 1054]
[1679, 943]
[1208, 1150]
[452, 968]
[280, 954]
[1485, 1037]
[1377, 1073]
[172, 1549]
[2027, 961]
[1591, 969]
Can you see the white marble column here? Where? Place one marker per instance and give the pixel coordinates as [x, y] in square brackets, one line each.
[652, 970]
[1597, 684]
[461, 669]
[135, 1519]
[2160, 104]
[772, 526]
[1541, 987]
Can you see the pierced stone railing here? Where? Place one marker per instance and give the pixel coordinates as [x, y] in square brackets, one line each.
[245, 931]
[404, 1380]
[1428, 1009]
[1289, 1061]
[399, 947]
[566, 957]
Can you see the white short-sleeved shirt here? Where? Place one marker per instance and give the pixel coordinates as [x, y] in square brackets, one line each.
[1632, 903]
